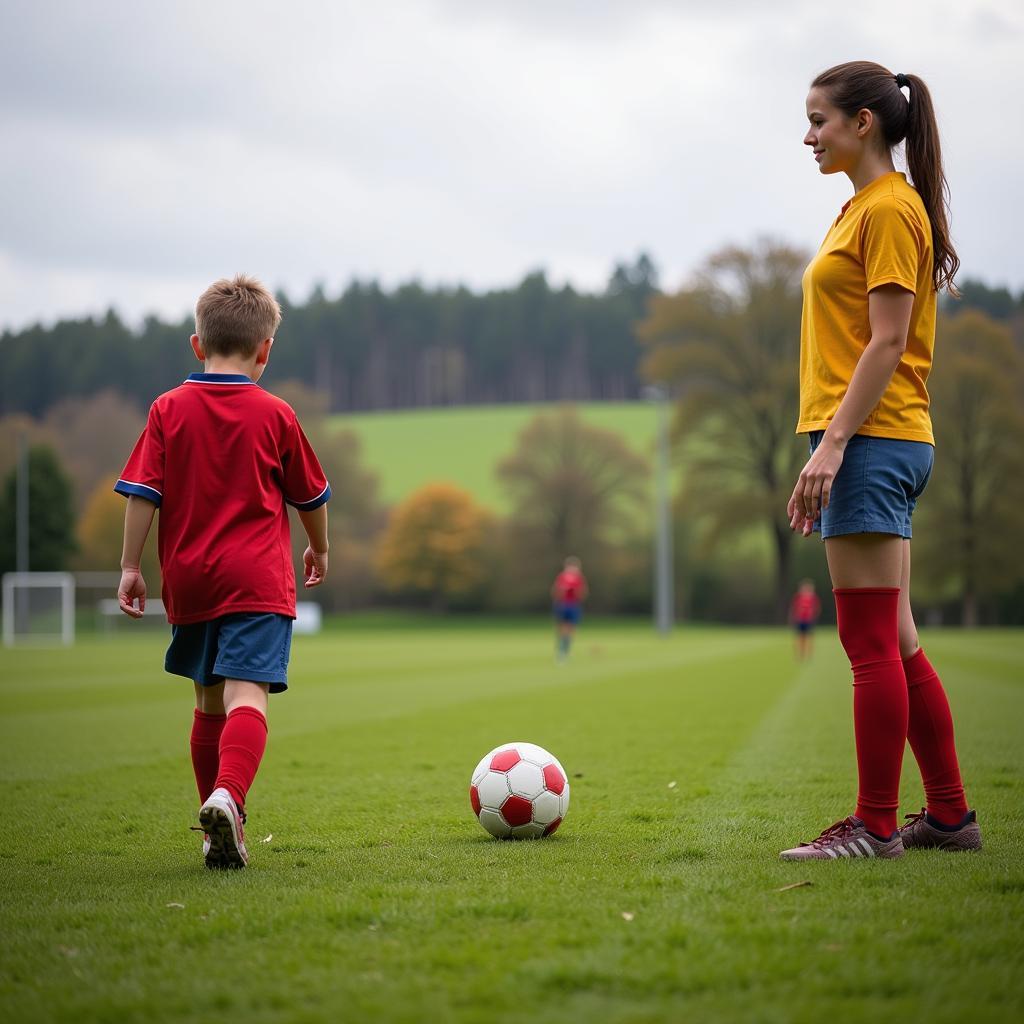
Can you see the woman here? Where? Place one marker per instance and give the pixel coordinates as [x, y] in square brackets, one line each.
[867, 334]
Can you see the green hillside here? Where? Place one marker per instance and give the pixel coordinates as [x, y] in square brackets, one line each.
[463, 445]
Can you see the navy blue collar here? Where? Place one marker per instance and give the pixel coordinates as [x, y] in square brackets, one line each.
[219, 378]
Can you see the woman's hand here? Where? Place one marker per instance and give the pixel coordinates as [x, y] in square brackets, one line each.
[814, 485]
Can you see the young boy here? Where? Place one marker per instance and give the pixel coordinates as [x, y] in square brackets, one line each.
[567, 593]
[220, 458]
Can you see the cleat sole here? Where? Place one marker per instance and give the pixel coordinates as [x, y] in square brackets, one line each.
[224, 853]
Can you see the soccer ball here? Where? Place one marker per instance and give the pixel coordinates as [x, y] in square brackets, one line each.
[519, 791]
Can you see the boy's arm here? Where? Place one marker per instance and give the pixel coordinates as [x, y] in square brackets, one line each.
[314, 559]
[138, 518]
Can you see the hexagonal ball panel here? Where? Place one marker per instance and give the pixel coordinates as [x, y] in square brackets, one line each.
[546, 808]
[531, 752]
[525, 779]
[517, 811]
[481, 770]
[504, 759]
[474, 799]
[494, 823]
[554, 778]
[529, 831]
[563, 801]
[493, 790]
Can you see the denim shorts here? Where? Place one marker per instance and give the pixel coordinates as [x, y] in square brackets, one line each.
[253, 646]
[877, 486]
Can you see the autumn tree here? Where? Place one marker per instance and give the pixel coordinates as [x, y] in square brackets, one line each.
[93, 436]
[15, 430]
[971, 516]
[354, 513]
[433, 545]
[51, 534]
[575, 489]
[101, 532]
[729, 348]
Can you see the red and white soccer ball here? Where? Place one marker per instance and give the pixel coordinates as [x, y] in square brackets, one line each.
[519, 791]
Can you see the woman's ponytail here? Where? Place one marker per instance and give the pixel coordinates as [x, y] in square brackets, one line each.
[924, 162]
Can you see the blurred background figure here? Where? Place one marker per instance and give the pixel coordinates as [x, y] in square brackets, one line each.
[568, 593]
[804, 610]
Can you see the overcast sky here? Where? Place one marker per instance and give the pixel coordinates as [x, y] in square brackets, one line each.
[148, 148]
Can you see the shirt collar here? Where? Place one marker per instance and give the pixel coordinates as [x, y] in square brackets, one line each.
[218, 378]
[882, 181]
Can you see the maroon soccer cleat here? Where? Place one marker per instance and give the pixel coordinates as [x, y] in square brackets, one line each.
[920, 834]
[847, 838]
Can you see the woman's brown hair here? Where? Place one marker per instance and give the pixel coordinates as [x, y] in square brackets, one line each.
[861, 85]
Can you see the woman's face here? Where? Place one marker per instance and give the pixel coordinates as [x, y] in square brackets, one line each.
[836, 139]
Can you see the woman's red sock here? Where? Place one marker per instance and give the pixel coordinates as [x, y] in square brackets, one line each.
[204, 744]
[241, 749]
[931, 738]
[868, 621]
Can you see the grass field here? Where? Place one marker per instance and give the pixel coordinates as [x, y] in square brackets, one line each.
[377, 897]
[464, 445]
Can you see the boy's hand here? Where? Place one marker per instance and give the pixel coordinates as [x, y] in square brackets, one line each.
[315, 564]
[132, 586]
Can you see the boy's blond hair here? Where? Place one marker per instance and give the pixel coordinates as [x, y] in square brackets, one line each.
[233, 317]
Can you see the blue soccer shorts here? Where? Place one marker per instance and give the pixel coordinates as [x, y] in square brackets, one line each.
[253, 646]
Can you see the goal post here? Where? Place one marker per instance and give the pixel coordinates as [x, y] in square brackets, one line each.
[38, 608]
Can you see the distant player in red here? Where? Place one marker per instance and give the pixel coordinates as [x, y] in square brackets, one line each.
[221, 459]
[568, 593]
[804, 610]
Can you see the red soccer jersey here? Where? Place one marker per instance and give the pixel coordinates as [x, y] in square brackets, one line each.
[570, 586]
[804, 608]
[220, 457]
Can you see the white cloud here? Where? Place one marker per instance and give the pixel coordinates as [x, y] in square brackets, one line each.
[158, 147]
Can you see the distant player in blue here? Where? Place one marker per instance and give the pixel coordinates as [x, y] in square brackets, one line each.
[568, 592]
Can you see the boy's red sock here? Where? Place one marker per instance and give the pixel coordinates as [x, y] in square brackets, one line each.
[241, 749]
[931, 738]
[205, 746]
[868, 621]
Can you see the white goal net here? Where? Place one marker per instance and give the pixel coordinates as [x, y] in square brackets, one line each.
[38, 608]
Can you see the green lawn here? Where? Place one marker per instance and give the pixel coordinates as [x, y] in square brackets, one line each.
[464, 445]
[379, 897]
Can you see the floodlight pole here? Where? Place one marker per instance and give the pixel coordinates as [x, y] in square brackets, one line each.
[664, 584]
[21, 524]
[21, 505]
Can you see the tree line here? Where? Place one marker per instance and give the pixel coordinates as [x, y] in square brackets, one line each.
[374, 349]
[370, 348]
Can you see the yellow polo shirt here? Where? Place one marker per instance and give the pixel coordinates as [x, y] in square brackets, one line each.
[881, 236]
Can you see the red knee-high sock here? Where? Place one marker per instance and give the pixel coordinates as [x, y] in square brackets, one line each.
[241, 749]
[868, 621]
[931, 738]
[205, 746]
